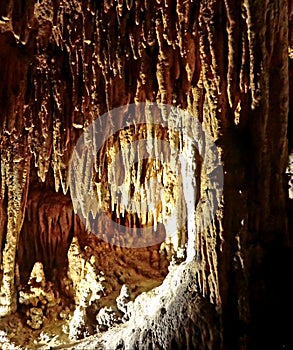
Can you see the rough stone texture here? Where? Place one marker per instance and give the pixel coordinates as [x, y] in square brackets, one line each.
[63, 63]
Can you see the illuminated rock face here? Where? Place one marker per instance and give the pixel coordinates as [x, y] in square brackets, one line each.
[64, 63]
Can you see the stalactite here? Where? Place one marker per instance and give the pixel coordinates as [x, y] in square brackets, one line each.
[16, 170]
[234, 49]
[254, 66]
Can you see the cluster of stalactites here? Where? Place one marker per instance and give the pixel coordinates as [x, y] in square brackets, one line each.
[85, 59]
[88, 58]
[74, 60]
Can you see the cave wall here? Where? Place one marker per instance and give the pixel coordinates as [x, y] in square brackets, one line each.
[63, 63]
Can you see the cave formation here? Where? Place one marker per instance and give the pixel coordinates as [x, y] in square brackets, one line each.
[64, 64]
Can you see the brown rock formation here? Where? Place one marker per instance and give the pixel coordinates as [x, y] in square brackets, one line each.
[64, 63]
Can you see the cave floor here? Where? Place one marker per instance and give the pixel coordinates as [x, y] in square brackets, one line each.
[140, 269]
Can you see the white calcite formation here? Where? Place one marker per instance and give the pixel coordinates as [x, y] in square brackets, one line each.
[167, 315]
